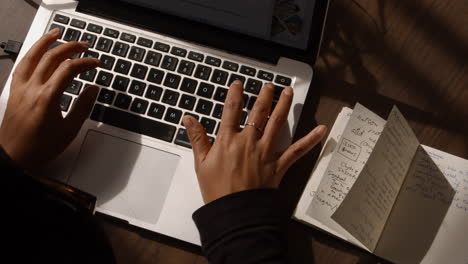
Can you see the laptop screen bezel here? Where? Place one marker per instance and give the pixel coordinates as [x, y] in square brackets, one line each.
[189, 30]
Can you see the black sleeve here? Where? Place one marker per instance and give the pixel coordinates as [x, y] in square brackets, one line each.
[245, 227]
[41, 227]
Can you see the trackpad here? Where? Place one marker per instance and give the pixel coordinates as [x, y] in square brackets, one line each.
[127, 178]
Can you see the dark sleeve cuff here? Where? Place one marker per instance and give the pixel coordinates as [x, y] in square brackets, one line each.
[237, 212]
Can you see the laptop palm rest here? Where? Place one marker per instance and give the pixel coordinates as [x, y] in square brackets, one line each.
[128, 179]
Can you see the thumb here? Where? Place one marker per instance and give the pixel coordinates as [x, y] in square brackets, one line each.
[81, 109]
[198, 138]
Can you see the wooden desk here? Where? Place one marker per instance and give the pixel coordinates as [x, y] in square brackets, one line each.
[410, 53]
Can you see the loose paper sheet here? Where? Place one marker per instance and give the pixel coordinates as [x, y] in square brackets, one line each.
[429, 221]
[355, 146]
[366, 208]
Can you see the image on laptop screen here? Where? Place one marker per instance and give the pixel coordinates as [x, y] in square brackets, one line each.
[286, 22]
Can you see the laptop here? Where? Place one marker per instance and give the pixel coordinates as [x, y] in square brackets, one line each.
[162, 60]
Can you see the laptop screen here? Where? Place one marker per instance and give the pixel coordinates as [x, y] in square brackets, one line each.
[286, 22]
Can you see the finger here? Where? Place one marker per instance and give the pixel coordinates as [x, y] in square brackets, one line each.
[279, 116]
[66, 72]
[198, 138]
[261, 109]
[54, 57]
[29, 62]
[230, 120]
[300, 148]
[81, 109]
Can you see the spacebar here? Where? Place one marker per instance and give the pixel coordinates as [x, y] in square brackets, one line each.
[134, 123]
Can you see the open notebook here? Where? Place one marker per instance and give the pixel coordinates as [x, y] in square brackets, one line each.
[376, 187]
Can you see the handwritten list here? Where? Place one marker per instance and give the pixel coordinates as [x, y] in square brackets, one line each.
[369, 203]
[351, 153]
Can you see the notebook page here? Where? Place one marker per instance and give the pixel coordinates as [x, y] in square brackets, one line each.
[430, 219]
[356, 144]
[367, 206]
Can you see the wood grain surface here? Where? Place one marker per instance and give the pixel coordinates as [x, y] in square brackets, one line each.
[410, 53]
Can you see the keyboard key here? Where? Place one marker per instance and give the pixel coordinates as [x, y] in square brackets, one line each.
[220, 94]
[278, 91]
[169, 63]
[187, 102]
[179, 52]
[104, 44]
[265, 75]
[205, 90]
[230, 66]
[248, 71]
[61, 19]
[137, 88]
[196, 56]
[172, 81]
[285, 81]
[106, 96]
[123, 101]
[218, 111]
[136, 54]
[94, 28]
[245, 99]
[65, 101]
[61, 28]
[78, 23]
[156, 110]
[253, 86]
[170, 97]
[122, 66]
[90, 38]
[243, 118]
[186, 67]
[154, 92]
[204, 107]
[104, 78]
[189, 85]
[88, 75]
[72, 35]
[111, 33]
[133, 123]
[202, 72]
[74, 87]
[155, 76]
[235, 77]
[139, 106]
[153, 58]
[182, 138]
[208, 124]
[173, 115]
[145, 42]
[120, 83]
[251, 103]
[128, 37]
[120, 49]
[197, 117]
[213, 61]
[139, 71]
[107, 62]
[161, 46]
[90, 54]
[219, 77]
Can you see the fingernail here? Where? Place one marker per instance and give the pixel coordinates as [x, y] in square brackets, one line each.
[188, 122]
[270, 85]
[84, 44]
[237, 83]
[288, 91]
[321, 130]
[53, 31]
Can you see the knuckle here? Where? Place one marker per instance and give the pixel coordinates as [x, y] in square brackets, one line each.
[233, 104]
[67, 65]
[49, 56]
[261, 108]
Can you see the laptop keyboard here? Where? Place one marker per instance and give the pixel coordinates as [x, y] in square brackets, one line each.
[147, 85]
